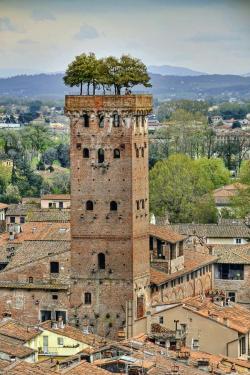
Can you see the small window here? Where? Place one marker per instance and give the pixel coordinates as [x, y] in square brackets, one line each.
[161, 319]
[231, 296]
[242, 345]
[85, 153]
[116, 119]
[30, 280]
[59, 340]
[78, 146]
[137, 153]
[101, 120]
[89, 206]
[12, 219]
[101, 261]
[60, 204]
[138, 205]
[195, 344]
[113, 206]
[50, 204]
[54, 296]
[54, 267]
[142, 152]
[137, 120]
[101, 156]
[85, 120]
[142, 204]
[87, 298]
[116, 153]
[238, 240]
[22, 220]
[187, 277]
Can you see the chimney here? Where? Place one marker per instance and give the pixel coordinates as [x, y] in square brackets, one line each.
[60, 322]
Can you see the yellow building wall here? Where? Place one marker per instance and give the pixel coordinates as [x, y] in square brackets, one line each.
[70, 346]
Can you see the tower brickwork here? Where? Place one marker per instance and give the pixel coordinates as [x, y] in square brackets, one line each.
[109, 210]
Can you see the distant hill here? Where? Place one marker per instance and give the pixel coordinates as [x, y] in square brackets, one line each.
[167, 70]
[164, 87]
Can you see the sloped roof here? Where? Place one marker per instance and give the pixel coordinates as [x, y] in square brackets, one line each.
[47, 214]
[19, 209]
[85, 368]
[235, 317]
[19, 351]
[3, 206]
[25, 368]
[192, 261]
[165, 233]
[18, 330]
[76, 334]
[238, 254]
[60, 197]
[213, 230]
[32, 251]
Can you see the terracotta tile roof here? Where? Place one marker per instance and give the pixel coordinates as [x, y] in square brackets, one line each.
[235, 317]
[76, 334]
[32, 251]
[18, 330]
[238, 254]
[192, 261]
[38, 231]
[55, 197]
[3, 364]
[47, 214]
[25, 368]
[225, 193]
[213, 230]
[3, 206]
[85, 368]
[165, 233]
[11, 349]
[19, 209]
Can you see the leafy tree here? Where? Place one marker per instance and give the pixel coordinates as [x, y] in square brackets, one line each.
[213, 171]
[245, 172]
[58, 183]
[179, 190]
[241, 203]
[63, 155]
[12, 195]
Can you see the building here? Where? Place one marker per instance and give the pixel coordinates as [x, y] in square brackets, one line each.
[225, 233]
[109, 198]
[232, 272]
[223, 195]
[210, 325]
[61, 201]
[3, 209]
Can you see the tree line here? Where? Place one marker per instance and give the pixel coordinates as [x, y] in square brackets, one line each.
[112, 74]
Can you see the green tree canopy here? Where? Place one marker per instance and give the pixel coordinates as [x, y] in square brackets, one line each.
[245, 172]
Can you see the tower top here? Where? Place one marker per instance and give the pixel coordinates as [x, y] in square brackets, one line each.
[131, 103]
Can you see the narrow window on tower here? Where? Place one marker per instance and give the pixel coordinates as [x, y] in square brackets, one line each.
[101, 261]
[113, 206]
[89, 206]
[140, 307]
[138, 205]
[85, 120]
[116, 119]
[137, 153]
[142, 152]
[143, 120]
[137, 120]
[85, 153]
[54, 267]
[101, 120]
[116, 153]
[87, 298]
[101, 156]
[142, 204]
[78, 146]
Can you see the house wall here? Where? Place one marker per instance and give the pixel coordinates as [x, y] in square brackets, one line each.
[187, 288]
[240, 287]
[225, 241]
[45, 203]
[70, 346]
[213, 336]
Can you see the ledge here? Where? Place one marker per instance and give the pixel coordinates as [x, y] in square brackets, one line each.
[108, 102]
[19, 285]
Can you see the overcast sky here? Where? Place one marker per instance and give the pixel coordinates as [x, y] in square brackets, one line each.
[206, 35]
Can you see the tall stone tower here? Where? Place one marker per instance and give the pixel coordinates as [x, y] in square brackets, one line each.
[109, 211]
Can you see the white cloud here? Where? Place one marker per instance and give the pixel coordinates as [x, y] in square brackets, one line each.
[86, 32]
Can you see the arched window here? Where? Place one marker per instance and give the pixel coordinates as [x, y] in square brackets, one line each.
[101, 120]
[85, 153]
[101, 261]
[116, 119]
[116, 153]
[85, 120]
[100, 155]
[89, 205]
[137, 153]
[142, 152]
[87, 298]
[113, 206]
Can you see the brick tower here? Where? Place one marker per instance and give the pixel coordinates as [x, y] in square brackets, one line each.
[109, 211]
